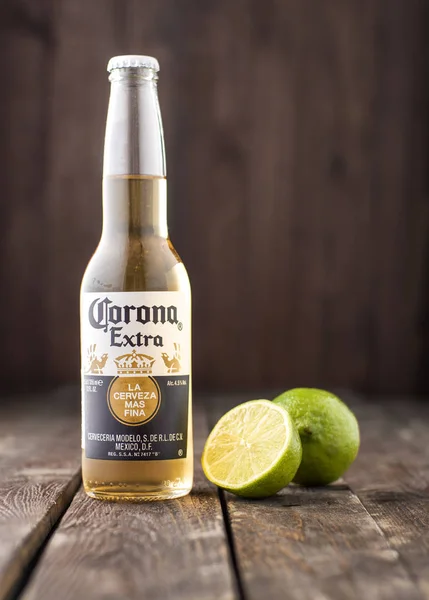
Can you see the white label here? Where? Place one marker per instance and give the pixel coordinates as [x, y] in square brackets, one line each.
[129, 333]
[136, 361]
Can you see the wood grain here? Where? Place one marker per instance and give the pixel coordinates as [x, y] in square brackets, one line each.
[175, 549]
[26, 38]
[40, 473]
[297, 151]
[315, 543]
[391, 477]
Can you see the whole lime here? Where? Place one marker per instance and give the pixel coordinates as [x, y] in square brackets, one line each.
[329, 434]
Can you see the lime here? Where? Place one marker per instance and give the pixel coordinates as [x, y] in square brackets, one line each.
[253, 450]
[329, 434]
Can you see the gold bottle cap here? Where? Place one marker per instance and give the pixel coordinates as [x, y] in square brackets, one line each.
[132, 60]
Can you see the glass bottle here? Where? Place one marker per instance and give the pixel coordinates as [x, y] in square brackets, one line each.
[135, 311]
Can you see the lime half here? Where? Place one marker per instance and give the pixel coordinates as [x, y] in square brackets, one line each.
[253, 451]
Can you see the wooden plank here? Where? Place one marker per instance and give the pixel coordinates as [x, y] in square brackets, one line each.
[175, 549]
[308, 158]
[313, 543]
[40, 473]
[397, 323]
[323, 542]
[392, 455]
[391, 476]
[26, 43]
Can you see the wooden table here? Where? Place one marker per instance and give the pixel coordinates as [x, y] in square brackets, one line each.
[365, 537]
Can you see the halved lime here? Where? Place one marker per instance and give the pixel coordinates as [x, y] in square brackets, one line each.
[254, 450]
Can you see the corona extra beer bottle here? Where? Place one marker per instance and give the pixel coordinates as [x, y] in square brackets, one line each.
[135, 311]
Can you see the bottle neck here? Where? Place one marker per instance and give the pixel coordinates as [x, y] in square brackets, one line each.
[134, 142]
[134, 207]
[134, 185]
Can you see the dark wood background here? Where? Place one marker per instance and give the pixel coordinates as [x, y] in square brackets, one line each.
[297, 138]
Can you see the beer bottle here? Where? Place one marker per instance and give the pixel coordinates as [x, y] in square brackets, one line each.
[135, 311]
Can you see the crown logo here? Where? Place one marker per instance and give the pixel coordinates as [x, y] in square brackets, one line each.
[134, 363]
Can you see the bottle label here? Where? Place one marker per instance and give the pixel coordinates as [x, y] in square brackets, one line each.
[136, 361]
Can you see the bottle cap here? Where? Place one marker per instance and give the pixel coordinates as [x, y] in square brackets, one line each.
[132, 60]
